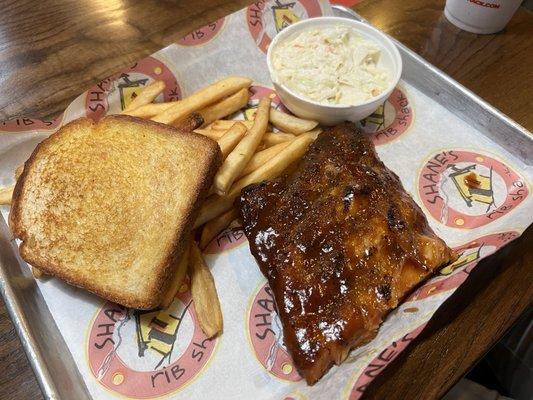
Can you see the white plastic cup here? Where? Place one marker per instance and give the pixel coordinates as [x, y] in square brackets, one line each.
[481, 16]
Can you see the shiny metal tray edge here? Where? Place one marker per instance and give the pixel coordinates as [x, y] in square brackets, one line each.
[43, 343]
[455, 97]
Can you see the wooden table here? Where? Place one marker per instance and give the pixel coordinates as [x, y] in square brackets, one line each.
[53, 50]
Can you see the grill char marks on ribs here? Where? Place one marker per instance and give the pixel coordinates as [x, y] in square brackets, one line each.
[341, 243]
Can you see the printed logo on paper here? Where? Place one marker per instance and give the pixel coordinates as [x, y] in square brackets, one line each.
[392, 119]
[30, 124]
[379, 363]
[266, 18]
[463, 189]
[472, 252]
[115, 93]
[452, 276]
[295, 396]
[141, 354]
[266, 336]
[203, 35]
[226, 240]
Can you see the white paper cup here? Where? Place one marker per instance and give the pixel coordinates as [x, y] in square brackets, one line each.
[481, 16]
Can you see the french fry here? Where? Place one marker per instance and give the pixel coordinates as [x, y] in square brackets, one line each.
[204, 294]
[245, 149]
[215, 226]
[177, 278]
[225, 124]
[225, 107]
[210, 133]
[202, 98]
[231, 138]
[5, 195]
[314, 133]
[37, 273]
[289, 123]
[190, 122]
[234, 224]
[147, 95]
[226, 142]
[271, 138]
[216, 205]
[149, 110]
[262, 157]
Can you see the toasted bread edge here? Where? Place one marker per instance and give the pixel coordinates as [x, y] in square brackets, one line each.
[14, 213]
[209, 171]
[149, 299]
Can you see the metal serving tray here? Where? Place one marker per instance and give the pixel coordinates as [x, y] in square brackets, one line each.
[56, 370]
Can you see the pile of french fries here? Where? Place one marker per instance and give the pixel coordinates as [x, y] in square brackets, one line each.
[252, 153]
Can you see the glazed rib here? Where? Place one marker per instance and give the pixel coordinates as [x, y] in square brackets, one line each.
[341, 243]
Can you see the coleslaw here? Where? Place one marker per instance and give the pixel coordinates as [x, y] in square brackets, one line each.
[333, 65]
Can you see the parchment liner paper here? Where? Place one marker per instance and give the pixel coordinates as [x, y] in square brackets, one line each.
[164, 353]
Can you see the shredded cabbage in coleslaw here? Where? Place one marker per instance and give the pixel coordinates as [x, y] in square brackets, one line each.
[330, 65]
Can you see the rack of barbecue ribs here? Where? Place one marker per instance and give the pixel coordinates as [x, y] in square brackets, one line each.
[341, 244]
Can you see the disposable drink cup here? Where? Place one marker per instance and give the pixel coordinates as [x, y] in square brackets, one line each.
[481, 16]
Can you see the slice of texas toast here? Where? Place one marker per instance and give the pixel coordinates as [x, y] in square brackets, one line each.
[107, 206]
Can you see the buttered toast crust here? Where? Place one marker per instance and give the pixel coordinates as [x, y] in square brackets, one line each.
[107, 206]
